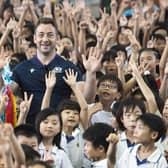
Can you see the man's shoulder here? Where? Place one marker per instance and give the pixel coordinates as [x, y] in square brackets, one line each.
[65, 61]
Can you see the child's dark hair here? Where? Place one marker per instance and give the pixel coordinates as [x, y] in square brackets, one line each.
[30, 154]
[155, 123]
[41, 116]
[157, 37]
[151, 83]
[97, 134]
[25, 130]
[93, 42]
[115, 108]
[160, 27]
[120, 30]
[113, 79]
[126, 105]
[16, 58]
[109, 55]
[68, 104]
[41, 163]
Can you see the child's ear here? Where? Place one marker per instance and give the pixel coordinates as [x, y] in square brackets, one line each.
[101, 148]
[154, 135]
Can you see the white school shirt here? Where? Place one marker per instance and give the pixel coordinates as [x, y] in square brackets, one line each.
[121, 145]
[75, 148]
[162, 144]
[100, 116]
[128, 159]
[100, 164]
[61, 159]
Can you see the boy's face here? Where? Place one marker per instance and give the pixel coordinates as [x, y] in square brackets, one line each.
[129, 118]
[108, 90]
[91, 152]
[30, 141]
[148, 61]
[70, 118]
[143, 134]
[165, 112]
[110, 67]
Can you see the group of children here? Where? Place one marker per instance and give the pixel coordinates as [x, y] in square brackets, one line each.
[118, 116]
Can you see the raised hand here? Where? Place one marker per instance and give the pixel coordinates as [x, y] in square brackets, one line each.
[50, 80]
[16, 32]
[123, 21]
[11, 24]
[151, 43]
[119, 59]
[25, 104]
[93, 63]
[70, 77]
[112, 138]
[3, 101]
[7, 131]
[113, 5]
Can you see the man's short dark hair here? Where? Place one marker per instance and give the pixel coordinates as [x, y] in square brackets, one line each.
[46, 20]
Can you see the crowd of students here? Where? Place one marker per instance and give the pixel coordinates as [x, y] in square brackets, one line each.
[90, 92]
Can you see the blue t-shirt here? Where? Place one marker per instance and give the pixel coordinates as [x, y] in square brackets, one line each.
[30, 75]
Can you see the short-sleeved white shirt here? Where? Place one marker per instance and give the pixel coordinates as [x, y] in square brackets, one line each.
[101, 116]
[100, 164]
[61, 159]
[128, 159]
[75, 148]
[121, 145]
[162, 144]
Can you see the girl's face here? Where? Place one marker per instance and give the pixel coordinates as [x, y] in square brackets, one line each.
[70, 118]
[50, 127]
[130, 116]
[165, 112]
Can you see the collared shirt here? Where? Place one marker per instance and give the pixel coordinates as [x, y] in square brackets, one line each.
[30, 76]
[129, 159]
[61, 159]
[99, 164]
[101, 116]
[123, 144]
[75, 148]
